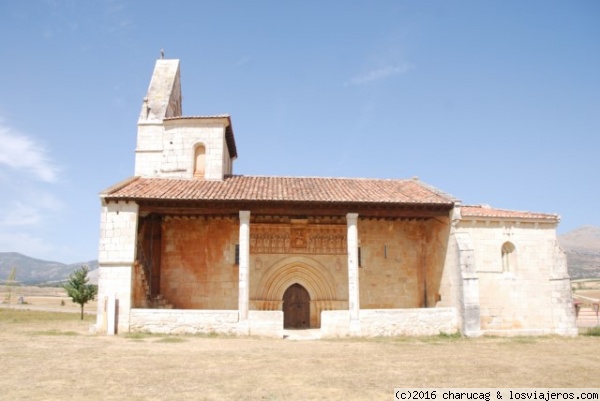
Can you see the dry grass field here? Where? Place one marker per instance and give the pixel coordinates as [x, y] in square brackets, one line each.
[43, 298]
[587, 288]
[52, 356]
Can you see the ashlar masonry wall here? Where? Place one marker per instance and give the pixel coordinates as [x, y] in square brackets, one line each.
[198, 269]
[401, 262]
[166, 149]
[117, 248]
[178, 321]
[530, 292]
[181, 138]
[392, 322]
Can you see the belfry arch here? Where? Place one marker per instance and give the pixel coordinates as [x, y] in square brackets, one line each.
[308, 273]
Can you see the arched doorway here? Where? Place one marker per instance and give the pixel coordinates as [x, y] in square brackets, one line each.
[309, 274]
[296, 307]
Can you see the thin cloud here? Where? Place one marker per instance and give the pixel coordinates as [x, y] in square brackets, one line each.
[379, 74]
[25, 243]
[21, 152]
[28, 208]
[20, 214]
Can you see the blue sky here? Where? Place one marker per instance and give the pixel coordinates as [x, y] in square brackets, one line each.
[495, 102]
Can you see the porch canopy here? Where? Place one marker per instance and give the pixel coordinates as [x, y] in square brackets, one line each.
[284, 195]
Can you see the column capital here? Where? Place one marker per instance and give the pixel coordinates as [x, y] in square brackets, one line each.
[245, 215]
[352, 218]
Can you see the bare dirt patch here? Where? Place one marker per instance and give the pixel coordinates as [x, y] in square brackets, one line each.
[52, 356]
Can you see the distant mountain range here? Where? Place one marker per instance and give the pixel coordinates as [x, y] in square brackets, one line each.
[31, 271]
[582, 246]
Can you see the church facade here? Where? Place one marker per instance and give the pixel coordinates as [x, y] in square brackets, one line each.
[186, 246]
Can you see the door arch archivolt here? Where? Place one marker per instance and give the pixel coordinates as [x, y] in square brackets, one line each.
[307, 272]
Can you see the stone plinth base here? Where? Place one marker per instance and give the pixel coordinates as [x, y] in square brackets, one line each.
[391, 322]
[529, 332]
[180, 321]
[266, 323]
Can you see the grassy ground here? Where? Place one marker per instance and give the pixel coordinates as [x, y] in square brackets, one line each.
[52, 356]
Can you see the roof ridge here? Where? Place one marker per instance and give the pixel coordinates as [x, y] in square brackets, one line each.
[488, 211]
[319, 177]
[489, 207]
[198, 116]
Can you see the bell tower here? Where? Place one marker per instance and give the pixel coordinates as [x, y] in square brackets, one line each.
[171, 145]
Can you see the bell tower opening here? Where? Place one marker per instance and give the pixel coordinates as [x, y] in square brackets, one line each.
[199, 161]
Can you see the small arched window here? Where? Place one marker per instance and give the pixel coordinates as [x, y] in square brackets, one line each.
[509, 257]
[199, 161]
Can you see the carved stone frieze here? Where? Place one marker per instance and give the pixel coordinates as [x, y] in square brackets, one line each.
[298, 239]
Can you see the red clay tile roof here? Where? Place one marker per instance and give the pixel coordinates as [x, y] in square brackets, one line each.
[284, 189]
[488, 212]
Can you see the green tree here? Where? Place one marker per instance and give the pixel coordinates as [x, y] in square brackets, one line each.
[78, 288]
[9, 283]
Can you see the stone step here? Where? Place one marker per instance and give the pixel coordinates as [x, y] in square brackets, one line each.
[301, 334]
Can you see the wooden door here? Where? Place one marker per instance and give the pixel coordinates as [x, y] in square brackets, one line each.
[296, 308]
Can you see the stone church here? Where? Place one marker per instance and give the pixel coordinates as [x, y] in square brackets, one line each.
[188, 246]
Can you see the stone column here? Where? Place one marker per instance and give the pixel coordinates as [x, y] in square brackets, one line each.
[353, 289]
[244, 278]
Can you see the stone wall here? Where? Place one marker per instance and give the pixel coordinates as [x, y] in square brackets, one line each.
[460, 284]
[167, 149]
[402, 262]
[198, 269]
[148, 151]
[118, 228]
[177, 321]
[118, 231]
[179, 141]
[392, 322]
[521, 297]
